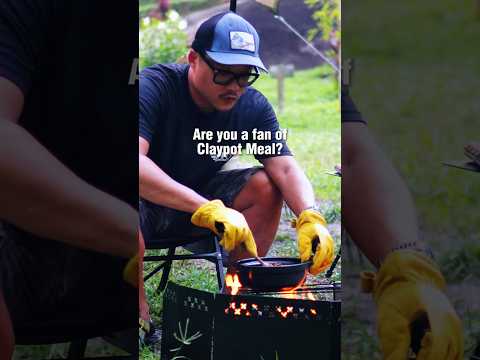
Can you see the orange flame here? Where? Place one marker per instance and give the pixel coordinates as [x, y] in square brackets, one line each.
[289, 292]
[233, 282]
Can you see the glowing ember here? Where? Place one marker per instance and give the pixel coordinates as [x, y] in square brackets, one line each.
[233, 283]
[255, 306]
[243, 306]
[310, 296]
[285, 313]
[313, 311]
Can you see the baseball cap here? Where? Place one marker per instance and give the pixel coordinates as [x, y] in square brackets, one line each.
[229, 39]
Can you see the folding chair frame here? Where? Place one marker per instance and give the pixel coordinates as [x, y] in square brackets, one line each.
[166, 265]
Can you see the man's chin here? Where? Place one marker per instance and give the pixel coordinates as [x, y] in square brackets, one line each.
[225, 105]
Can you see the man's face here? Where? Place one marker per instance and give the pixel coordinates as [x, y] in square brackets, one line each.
[210, 93]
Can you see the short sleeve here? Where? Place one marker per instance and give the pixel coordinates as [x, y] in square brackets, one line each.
[23, 33]
[350, 112]
[151, 103]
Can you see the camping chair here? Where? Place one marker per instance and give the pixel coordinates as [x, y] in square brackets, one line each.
[213, 255]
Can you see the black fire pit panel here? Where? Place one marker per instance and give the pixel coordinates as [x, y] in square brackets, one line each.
[187, 323]
[256, 328]
[247, 327]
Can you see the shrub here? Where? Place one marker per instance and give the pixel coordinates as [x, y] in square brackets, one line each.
[162, 41]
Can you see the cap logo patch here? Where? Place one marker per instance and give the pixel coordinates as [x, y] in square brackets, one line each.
[242, 41]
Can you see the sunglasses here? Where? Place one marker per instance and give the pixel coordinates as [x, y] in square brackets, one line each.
[225, 77]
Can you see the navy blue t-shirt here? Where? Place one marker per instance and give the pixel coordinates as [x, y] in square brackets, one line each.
[169, 117]
[79, 103]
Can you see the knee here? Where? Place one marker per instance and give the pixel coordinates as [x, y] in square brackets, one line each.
[265, 189]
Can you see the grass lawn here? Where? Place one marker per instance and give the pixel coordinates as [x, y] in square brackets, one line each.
[311, 115]
[417, 84]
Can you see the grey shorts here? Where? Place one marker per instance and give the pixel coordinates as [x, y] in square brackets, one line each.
[159, 222]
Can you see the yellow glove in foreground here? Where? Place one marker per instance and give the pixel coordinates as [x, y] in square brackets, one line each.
[227, 223]
[310, 225]
[408, 286]
[130, 272]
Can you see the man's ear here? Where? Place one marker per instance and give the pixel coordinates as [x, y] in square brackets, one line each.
[192, 57]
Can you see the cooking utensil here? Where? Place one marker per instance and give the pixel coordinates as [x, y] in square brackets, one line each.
[284, 273]
[263, 263]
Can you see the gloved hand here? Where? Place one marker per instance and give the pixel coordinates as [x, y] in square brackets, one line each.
[227, 223]
[310, 226]
[130, 272]
[407, 287]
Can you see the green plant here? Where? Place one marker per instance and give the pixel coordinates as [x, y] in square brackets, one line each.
[162, 42]
[327, 17]
[147, 354]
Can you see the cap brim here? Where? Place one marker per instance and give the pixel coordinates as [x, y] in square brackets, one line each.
[236, 59]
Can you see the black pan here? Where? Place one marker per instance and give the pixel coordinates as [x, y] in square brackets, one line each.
[287, 273]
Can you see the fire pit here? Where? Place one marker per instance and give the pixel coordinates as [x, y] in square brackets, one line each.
[252, 324]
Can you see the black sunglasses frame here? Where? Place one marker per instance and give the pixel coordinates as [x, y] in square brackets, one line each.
[233, 76]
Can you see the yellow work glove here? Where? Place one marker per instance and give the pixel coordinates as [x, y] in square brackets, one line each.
[310, 226]
[409, 286]
[130, 272]
[227, 223]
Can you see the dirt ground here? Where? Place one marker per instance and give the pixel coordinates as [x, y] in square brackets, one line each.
[278, 44]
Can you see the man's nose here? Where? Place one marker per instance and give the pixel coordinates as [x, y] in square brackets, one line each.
[233, 86]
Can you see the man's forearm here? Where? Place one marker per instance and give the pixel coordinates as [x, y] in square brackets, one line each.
[156, 186]
[40, 195]
[292, 182]
[377, 209]
[298, 192]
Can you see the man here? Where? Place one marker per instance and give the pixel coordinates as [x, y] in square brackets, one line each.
[68, 164]
[183, 189]
[378, 213]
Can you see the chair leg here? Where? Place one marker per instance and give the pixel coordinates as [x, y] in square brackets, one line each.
[219, 266]
[153, 272]
[166, 270]
[77, 349]
[334, 265]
